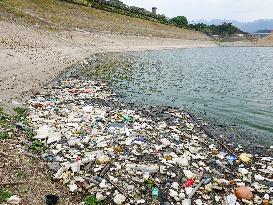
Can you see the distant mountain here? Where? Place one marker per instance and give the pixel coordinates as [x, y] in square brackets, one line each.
[251, 27]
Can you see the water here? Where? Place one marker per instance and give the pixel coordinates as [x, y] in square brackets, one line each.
[233, 86]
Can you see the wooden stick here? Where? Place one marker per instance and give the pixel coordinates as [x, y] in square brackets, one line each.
[120, 191]
[13, 183]
[3, 153]
[214, 137]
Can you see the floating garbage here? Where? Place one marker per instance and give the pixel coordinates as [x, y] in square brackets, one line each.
[127, 154]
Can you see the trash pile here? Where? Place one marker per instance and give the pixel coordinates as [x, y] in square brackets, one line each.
[125, 154]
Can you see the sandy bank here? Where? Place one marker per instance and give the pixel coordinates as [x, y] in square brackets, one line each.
[32, 57]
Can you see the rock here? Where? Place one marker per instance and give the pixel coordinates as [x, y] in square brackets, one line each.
[119, 199]
[243, 192]
[14, 200]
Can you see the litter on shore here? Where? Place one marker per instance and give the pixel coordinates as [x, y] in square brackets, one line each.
[125, 154]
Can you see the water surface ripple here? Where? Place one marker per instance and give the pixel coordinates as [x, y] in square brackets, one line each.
[232, 85]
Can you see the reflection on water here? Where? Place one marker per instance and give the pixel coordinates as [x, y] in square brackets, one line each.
[233, 85]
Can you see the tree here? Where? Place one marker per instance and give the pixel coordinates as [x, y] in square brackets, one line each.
[224, 29]
[180, 21]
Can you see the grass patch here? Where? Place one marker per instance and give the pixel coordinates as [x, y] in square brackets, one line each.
[59, 14]
[91, 200]
[20, 111]
[37, 146]
[9, 123]
[4, 195]
[5, 135]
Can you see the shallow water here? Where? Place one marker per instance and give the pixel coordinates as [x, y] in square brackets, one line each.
[233, 86]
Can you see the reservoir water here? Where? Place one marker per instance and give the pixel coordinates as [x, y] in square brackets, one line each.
[229, 86]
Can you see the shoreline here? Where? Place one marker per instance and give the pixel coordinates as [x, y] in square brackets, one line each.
[170, 138]
[178, 154]
[31, 57]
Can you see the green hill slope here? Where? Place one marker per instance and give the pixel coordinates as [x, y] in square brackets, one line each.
[56, 14]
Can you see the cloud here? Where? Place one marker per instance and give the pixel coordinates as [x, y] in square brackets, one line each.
[243, 10]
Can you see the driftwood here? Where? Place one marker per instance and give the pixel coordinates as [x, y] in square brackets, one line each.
[214, 137]
[13, 183]
[3, 153]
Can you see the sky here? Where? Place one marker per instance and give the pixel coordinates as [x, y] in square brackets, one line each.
[240, 10]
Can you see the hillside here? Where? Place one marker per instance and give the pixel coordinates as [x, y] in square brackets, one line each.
[55, 14]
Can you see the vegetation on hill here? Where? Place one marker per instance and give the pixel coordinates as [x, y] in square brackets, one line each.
[119, 7]
[179, 21]
[221, 30]
[81, 16]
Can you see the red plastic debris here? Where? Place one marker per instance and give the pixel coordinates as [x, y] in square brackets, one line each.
[188, 183]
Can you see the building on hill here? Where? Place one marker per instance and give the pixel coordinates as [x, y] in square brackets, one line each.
[154, 10]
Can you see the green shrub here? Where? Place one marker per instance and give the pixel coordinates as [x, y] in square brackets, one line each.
[4, 195]
[37, 146]
[91, 200]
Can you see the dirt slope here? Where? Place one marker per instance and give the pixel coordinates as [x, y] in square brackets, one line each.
[56, 14]
[267, 41]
